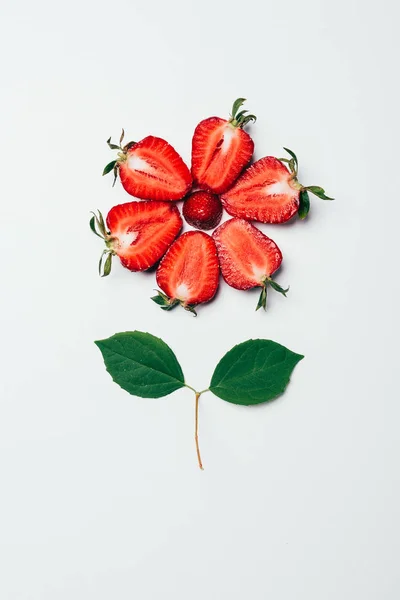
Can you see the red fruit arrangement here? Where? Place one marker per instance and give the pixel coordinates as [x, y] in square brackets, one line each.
[145, 232]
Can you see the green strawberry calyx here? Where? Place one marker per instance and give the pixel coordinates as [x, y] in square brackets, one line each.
[98, 226]
[166, 303]
[240, 118]
[121, 156]
[304, 205]
[262, 300]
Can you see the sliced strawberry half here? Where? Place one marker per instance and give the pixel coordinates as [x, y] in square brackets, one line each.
[139, 233]
[269, 192]
[221, 150]
[189, 272]
[247, 258]
[150, 169]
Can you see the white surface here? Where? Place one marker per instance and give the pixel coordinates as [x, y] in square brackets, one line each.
[101, 497]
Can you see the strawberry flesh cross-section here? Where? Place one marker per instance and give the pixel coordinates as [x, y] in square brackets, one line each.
[265, 192]
[221, 149]
[151, 169]
[189, 272]
[139, 233]
[247, 257]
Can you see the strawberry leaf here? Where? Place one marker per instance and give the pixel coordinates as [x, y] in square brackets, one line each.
[246, 119]
[115, 174]
[98, 226]
[108, 168]
[318, 191]
[160, 300]
[170, 306]
[262, 301]
[141, 364]
[253, 372]
[292, 154]
[240, 119]
[275, 286]
[190, 308]
[107, 265]
[236, 105]
[101, 223]
[240, 114]
[304, 206]
[92, 224]
[164, 302]
[113, 146]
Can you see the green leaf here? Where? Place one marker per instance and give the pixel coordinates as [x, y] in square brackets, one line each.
[99, 220]
[240, 114]
[141, 364]
[253, 372]
[164, 302]
[92, 224]
[121, 136]
[115, 174]
[159, 300]
[190, 308]
[236, 105]
[247, 119]
[109, 167]
[318, 191]
[275, 286]
[106, 251]
[262, 301]
[292, 154]
[113, 146]
[107, 265]
[304, 206]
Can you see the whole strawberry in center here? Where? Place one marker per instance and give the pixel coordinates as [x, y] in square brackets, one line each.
[202, 210]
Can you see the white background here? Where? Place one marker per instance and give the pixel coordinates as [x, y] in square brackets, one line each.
[101, 497]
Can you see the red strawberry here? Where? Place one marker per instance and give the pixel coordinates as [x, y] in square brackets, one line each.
[247, 257]
[221, 149]
[150, 169]
[268, 192]
[202, 210]
[139, 233]
[189, 272]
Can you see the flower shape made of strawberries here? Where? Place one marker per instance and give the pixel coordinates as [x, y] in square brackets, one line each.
[145, 232]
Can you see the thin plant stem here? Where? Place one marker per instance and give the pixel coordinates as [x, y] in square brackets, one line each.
[196, 430]
[190, 388]
[203, 391]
